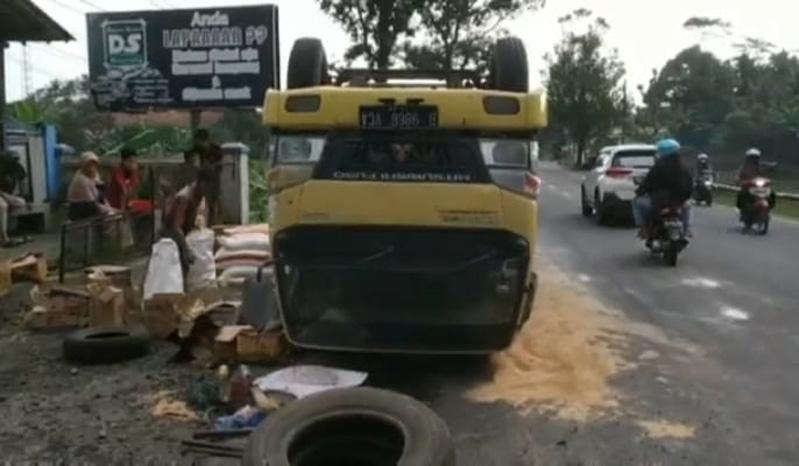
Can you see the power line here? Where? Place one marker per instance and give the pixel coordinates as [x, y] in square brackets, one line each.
[91, 5]
[62, 53]
[27, 79]
[38, 70]
[68, 7]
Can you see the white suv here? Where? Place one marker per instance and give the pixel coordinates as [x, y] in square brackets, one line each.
[609, 188]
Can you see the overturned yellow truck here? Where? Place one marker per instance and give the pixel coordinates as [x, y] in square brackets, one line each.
[403, 204]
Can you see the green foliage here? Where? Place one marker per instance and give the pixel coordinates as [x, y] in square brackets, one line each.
[694, 94]
[374, 26]
[585, 84]
[726, 106]
[457, 34]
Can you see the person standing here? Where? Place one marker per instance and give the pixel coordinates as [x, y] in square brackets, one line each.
[181, 211]
[125, 180]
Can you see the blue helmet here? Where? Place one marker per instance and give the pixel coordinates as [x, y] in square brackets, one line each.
[667, 147]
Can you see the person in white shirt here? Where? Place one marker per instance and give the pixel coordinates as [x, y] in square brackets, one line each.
[83, 196]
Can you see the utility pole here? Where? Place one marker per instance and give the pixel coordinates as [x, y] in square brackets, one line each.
[26, 69]
[2, 94]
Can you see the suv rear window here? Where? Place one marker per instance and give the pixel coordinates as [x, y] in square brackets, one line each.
[634, 159]
[394, 157]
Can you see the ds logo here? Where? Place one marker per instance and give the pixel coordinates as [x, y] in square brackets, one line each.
[125, 43]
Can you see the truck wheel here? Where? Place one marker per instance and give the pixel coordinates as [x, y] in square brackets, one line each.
[600, 212]
[508, 67]
[352, 426]
[105, 345]
[307, 64]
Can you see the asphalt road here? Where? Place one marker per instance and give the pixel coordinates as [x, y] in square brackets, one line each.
[733, 299]
[733, 296]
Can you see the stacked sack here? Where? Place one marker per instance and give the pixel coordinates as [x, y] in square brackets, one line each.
[243, 250]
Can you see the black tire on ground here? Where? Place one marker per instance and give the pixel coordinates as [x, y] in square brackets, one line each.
[508, 67]
[352, 426]
[587, 210]
[105, 345]
[307, 64]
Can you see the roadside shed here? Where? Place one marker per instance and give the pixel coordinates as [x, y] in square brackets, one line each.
[23, 21]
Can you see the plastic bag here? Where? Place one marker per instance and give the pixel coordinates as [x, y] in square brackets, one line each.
[302, 381]
[202, 272]
[238, 274]
[164, 274]
[258, 241]
[248, 257]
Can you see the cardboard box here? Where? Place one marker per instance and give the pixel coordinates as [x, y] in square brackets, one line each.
[254, 347]
[58, 308]
[106, 306]
[225, 342]
[28, 267]
[161, 314]
[5, 278]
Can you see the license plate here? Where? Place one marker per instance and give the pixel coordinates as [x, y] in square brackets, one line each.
[760, 192]
[399, 117]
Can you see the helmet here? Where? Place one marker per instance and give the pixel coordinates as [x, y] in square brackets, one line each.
[667, 147]
[753, 152]
[702, 157]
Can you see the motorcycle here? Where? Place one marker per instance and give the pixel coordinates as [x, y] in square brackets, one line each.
[703, 189]
[759, 199]
[667, 235]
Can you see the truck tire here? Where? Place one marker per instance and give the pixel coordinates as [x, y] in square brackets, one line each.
[508, 67]
[587, 210]
[105, 345]
[307, 64]
[352, 426]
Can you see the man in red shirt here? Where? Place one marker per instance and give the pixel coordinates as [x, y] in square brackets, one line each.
[125, 180]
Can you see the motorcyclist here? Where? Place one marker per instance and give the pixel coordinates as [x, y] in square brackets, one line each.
[668, 183]
[703, 166]
[751, 166]
[750, 170]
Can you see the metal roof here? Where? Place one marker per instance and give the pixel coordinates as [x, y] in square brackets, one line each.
[22, 20]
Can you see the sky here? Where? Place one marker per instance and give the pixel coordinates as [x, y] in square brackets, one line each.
[646, 33]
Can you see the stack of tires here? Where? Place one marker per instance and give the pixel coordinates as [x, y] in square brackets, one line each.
[508, 69]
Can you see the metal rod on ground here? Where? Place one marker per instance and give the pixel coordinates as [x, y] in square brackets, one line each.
[210, 445]
[220, 434]
[214, 452]
[62, 258]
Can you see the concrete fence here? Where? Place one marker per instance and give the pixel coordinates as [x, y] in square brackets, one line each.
[735, 188]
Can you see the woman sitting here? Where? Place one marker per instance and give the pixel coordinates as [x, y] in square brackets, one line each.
[83, 195]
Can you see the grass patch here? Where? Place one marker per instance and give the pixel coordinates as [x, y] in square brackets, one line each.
[784, 208]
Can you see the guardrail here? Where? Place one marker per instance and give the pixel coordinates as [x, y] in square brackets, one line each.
[735, 188]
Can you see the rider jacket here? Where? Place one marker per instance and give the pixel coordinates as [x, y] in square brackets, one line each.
[750, 170]
[668, 183]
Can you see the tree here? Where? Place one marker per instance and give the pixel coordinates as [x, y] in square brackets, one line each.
[374, 26]
[458, 33]
[695, 93]
[585, 84]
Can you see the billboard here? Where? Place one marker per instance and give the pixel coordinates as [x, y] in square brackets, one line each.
[193, 59]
